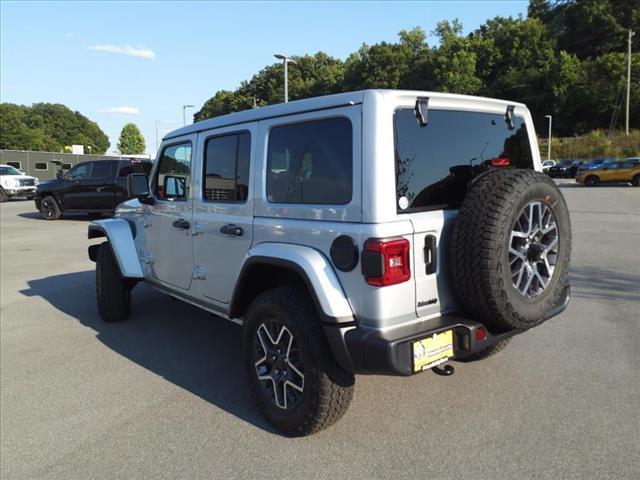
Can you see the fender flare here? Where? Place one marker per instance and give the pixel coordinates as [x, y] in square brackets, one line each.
[120, 235]
[312, 266]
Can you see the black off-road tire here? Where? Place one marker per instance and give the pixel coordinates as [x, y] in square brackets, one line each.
[49, 208]
[113, 293]
[487, 352]
[328, 388]
[591, 181]
[3, 195]
[480, 248]
[635, 181]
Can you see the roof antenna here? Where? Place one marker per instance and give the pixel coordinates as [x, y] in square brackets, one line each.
[508, 117]
[421, 109]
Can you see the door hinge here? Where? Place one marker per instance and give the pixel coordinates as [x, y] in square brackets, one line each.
[198, 228]
[199, 273]
[146, 220]
[146, 257]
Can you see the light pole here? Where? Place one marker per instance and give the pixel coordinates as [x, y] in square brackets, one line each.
[286, 60]
[184, 115]
[549, 144]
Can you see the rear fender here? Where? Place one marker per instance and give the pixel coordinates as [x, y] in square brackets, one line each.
[314, 268]
[120, 235]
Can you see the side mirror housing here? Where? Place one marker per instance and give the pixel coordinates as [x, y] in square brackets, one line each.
[137, 185]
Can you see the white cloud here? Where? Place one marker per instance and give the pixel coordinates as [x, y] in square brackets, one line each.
[139, 52]
[121, 110]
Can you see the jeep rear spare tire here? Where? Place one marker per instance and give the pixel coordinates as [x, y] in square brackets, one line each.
[511, 248]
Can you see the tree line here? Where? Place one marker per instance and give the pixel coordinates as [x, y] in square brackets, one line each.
[48, 127]
[567, 59]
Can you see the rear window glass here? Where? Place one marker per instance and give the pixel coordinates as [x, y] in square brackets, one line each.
[435, 163]
[101, 170]
[311, 163]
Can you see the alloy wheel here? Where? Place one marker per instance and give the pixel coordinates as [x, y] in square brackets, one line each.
[278, 364]
[533, 249]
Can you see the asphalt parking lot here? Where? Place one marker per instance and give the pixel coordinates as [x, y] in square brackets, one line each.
[162, 396]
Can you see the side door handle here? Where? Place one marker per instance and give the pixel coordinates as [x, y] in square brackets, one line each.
[182, 224]
[232, 230]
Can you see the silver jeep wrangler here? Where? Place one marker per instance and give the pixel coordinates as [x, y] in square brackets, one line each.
[380, 232]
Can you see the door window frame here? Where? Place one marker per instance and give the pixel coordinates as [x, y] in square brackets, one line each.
[214, 136]
[156, 172]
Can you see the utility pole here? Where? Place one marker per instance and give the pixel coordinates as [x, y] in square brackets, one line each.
[626, 122]
[549, 138]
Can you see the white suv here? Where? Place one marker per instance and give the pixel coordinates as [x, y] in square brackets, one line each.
[14, 183]
[383, 232]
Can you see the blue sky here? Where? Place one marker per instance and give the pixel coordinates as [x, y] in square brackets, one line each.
[153, 57]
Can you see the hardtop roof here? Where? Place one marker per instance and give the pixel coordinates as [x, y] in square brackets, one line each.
[313, 104]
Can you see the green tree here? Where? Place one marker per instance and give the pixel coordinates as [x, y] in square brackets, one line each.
[131, 141]
[48, 127]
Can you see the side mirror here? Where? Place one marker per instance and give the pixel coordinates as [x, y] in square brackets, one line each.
[137, 185]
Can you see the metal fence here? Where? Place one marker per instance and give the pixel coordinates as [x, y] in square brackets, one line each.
[39, 164]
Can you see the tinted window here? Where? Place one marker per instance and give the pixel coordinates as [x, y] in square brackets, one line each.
[174, 172]
[226, 171]
[66, 166]
[630, 164]
[9, 170]
[311, 162]
[79, 172]
[41, 166]
[435, 163]
[128, 167]
[101, 170]
[17, 165]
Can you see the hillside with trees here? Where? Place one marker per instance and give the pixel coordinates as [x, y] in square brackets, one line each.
[48, 127]
[567, 59]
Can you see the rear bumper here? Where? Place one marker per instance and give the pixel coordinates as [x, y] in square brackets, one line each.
[363, 350]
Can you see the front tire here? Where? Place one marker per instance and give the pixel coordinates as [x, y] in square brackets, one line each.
[292, 374]
[49, 208]
[635, 181]
[3, 195]
[113, 293]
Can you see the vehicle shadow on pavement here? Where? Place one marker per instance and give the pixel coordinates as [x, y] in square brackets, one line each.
[181, 343]
[601, 284]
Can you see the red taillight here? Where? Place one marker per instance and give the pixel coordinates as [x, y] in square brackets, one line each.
[386, 262]
[501, 162]
[481, 334]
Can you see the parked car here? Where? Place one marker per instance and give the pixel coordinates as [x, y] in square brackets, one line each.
[612, 172]
[564, 169]
[547, 164]
[14, 183]
[595, 164]
[94, 187]
[342, 233]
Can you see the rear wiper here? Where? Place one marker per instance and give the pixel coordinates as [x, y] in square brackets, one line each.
[421, 109]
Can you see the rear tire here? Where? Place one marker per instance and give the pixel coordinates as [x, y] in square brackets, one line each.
[49, 208]
[509, 271]
[635, 181]
[113, 293]
[487, 352]
[591, 181]
[292, 374]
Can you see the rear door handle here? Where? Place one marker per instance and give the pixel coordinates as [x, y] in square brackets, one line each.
[182, 224]
[232, 230]
[431, 254]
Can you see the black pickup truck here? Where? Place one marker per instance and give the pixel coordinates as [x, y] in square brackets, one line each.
[94, 187]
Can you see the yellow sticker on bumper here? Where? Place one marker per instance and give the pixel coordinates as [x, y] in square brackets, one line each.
[431, 351]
